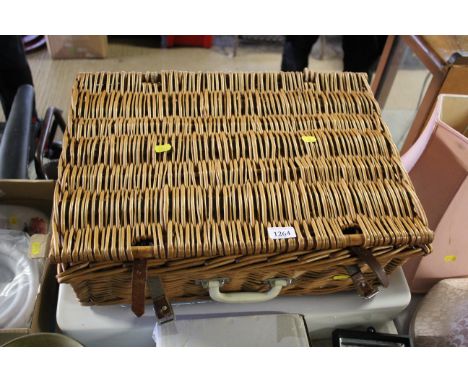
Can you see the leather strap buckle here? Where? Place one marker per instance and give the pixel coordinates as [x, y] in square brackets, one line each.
[161, 305]
[362, 286]
[365, 255]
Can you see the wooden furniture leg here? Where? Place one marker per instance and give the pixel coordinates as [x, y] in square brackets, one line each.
[424, 111]
[387, 69]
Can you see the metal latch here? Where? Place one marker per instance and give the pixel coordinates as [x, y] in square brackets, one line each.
[204, 283]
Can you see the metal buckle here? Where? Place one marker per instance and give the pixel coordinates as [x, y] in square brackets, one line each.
[162, 307]
[363, 288]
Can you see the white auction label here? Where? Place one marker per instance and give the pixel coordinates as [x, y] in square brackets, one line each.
[281, 232]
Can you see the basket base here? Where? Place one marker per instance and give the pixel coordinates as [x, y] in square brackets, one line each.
[313, 273]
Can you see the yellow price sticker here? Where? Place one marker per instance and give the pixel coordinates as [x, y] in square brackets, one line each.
[35, 248]
[162, 148]
[341, 277]
[309, 139]
[13, 220]
[450, 258]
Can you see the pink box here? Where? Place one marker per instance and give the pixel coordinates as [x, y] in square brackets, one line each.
[438, 167]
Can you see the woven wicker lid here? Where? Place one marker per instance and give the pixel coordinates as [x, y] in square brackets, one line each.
[182, 165]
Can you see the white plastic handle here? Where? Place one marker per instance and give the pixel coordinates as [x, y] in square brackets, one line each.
[245, 297]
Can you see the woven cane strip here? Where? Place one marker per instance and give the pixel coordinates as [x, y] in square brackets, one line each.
[89, 127]
[219, 172]
[171, 82]
[230, 238]
[139, 149]
[218, 104]
[260, 201]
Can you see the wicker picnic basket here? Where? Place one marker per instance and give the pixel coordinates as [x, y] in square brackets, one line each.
[173, 185]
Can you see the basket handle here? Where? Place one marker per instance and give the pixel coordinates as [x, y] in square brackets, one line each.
[244, 297]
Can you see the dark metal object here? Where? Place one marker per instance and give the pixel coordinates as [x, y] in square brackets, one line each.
[370, 338]
[44, 148]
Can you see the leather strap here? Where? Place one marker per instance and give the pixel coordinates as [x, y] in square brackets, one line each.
[138, 286]
[365, 255]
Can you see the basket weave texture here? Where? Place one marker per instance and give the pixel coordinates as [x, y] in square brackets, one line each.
[189, 170]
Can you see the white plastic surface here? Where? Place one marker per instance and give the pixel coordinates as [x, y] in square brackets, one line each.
[259, 330]
[117, 326]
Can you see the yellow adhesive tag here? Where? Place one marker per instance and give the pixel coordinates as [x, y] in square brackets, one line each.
[13, 220]
[450, 258]
[341, 277]
[35, 248]
[309, 139]
[162, 148]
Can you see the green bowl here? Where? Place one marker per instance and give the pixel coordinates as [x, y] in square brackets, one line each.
[43, 340]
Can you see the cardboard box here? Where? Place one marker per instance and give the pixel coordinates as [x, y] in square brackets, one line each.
[438, 167]
[456, 81]
[63, 47]
[36, 194]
